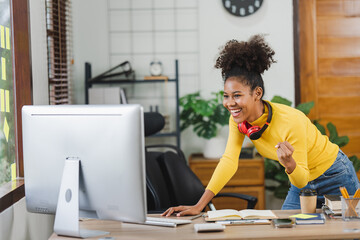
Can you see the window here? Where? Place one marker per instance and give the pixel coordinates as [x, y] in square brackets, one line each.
[14, 15]
[58, 24]
[7, 122]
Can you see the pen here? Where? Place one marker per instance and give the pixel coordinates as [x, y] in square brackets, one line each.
[243, 221]
[196, 216]
[236, 222]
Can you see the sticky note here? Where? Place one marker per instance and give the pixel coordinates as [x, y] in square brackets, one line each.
[13, 176]
[13, 171]
[7, 100]
[2, 37]
[6, 130]
[3, 68]
[2, 100]
[302, 216]
[7, 38]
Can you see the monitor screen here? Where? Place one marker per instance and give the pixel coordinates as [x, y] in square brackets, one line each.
[109, 142]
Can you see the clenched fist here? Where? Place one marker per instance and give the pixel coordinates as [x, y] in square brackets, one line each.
[284, 152]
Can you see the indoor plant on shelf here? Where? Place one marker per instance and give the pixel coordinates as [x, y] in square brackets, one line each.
[206, 116]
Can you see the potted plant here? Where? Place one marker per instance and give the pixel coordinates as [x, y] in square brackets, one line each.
[206, 116]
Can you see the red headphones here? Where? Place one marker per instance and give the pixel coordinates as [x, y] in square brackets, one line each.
[254, 132]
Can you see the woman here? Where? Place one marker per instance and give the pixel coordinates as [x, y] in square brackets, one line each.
[278, 132]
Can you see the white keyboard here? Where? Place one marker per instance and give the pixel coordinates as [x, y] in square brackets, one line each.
[166, 222]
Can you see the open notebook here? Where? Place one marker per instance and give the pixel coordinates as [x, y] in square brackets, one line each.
[231, 214]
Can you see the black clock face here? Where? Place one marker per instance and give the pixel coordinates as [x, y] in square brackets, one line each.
[242, 8]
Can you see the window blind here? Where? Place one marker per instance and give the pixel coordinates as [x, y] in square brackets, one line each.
[59, 43]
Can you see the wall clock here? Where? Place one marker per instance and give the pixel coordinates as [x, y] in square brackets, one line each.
[242, 8]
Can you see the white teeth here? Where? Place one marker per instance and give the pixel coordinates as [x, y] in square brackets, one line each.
[235, 111]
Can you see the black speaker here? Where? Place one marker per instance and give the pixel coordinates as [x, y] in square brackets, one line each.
[153, 123]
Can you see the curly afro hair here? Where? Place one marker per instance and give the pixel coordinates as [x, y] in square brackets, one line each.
[246, 61]
[254, 55]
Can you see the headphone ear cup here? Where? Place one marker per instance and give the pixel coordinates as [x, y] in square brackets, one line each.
[252, 132]
[242, 128]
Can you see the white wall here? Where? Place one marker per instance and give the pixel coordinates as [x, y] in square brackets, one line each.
[90, 42]
[39, 52]
[217, 26]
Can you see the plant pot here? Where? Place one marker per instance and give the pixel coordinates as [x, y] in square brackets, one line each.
[214, 147]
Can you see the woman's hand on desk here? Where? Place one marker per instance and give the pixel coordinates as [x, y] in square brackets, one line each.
[191, 210]
[182, 211]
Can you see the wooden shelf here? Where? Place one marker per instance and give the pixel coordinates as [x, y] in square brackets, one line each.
[248, 179]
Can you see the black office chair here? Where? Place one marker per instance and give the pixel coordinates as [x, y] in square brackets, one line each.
[171, 182]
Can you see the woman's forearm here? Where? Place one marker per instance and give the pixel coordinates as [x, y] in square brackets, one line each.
[205, 199]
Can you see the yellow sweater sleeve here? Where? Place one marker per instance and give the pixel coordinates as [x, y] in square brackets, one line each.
[297, 137]
[228, 164]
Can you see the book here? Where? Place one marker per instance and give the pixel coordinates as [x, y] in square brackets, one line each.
[333, 202]
[309, 218]
[331, 213]
[231, 214]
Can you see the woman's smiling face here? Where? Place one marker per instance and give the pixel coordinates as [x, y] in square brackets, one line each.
[240, 100]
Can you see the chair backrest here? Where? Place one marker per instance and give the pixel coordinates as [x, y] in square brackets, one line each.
[158, 195]
[186, 186]
[170, 182]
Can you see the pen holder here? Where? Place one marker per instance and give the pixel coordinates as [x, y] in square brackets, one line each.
[350, 208]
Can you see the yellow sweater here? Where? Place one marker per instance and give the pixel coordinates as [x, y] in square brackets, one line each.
[313, 153]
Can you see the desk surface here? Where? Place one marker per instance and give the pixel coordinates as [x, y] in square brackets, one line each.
[332, 229]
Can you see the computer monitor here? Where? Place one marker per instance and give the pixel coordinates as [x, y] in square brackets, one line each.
[107, 141]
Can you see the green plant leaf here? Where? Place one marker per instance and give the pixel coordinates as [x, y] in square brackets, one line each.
[305, 107]
[188, 118]
[281, 176]
[356, 162]
[281, 191]
[341, 141]
[271, 168]
[204, 115]
[275, 172]
[320, 127]
[205, 129]
[332, 131]
[334, 137]
[221, 115]
[188, 100]
[278, 99]
[203, 107]
[219, 96]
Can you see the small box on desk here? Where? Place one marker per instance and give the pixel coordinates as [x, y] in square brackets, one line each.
[350, 208]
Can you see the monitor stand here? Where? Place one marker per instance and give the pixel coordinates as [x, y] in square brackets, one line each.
[67, 211]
